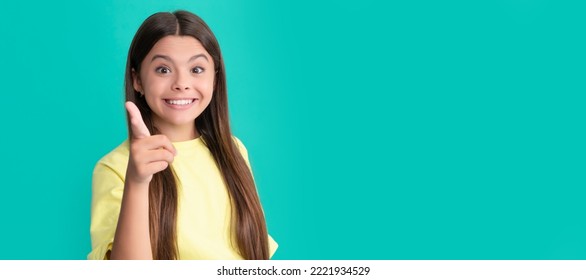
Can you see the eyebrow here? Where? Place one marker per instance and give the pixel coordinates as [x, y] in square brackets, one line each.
[165, 57]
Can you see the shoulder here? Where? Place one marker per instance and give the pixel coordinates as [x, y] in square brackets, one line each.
[241, 147]
[116, 160]
[239, 143]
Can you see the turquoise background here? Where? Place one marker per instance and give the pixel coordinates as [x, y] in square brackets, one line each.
[406, 130]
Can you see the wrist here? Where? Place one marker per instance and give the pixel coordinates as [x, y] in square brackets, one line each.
[136, 185]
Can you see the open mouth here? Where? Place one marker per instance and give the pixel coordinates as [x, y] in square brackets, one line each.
[180, 102]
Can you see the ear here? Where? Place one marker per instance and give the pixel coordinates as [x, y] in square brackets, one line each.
[136, 83]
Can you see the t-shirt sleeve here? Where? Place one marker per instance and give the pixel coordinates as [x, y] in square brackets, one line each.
[242, 149]
[272, 246]
[107, 190]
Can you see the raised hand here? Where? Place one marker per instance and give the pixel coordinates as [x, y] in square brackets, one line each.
[148, 154]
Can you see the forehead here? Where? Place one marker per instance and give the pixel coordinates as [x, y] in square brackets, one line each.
[180, 48]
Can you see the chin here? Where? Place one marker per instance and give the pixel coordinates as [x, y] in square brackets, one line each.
[183, 122]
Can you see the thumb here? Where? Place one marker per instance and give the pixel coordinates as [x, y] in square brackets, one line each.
[139, 129]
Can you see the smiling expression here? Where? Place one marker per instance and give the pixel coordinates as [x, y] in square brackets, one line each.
[177, 80]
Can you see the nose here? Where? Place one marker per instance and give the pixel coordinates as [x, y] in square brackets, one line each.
[181, 82]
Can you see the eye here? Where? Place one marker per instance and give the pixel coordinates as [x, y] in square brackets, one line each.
[197, 70]
[163, 70]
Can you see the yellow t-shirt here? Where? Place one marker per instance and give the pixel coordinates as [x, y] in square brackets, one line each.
[203, 214]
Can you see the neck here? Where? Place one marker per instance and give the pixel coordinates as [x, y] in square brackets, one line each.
[179, 133]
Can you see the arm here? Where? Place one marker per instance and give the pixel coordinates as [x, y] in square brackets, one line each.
[148, 155]
[132, 238]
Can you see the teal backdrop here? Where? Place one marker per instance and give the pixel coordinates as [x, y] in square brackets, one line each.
[376, 129]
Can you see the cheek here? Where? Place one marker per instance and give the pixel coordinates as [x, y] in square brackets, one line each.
[153, 90]
[206, 87]
[210, 89]
[154, 86]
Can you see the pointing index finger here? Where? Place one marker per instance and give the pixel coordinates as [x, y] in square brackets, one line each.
[139, 129]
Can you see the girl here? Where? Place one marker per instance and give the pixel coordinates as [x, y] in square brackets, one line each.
[181, 186]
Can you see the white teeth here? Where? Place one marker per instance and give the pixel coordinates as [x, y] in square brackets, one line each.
[179, 101]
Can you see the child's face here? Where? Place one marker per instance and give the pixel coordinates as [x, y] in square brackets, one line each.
[177, 80]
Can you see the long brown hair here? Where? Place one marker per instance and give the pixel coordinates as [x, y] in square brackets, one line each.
[214, 127]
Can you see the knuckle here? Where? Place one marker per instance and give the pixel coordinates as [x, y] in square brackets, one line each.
[166, 156]
[162, 138]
